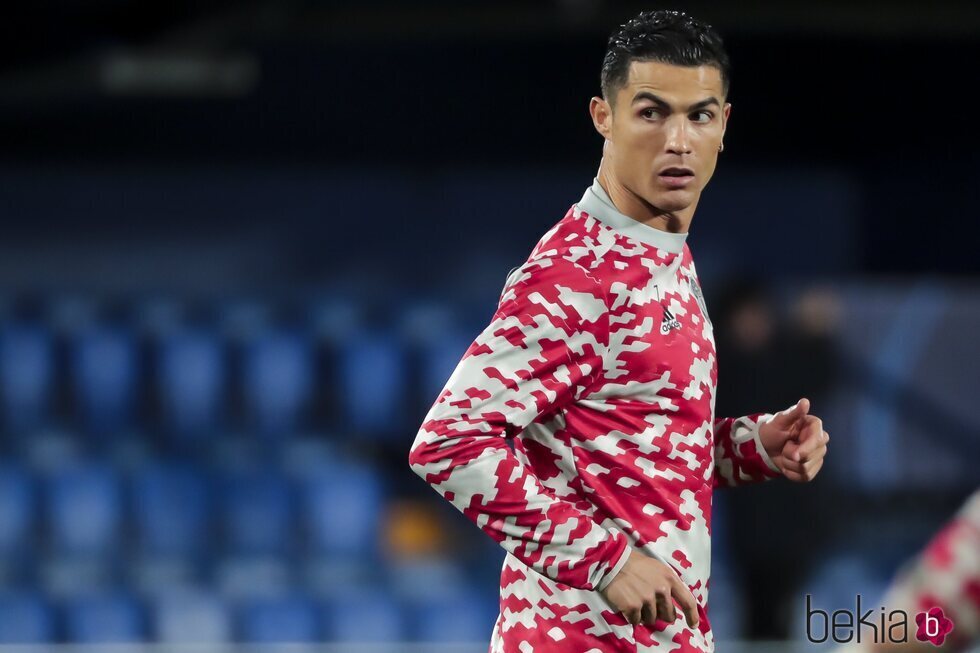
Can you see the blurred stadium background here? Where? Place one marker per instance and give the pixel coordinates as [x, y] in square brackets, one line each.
[245, 243]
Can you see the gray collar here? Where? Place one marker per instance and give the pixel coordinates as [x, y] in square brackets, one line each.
[597, 204]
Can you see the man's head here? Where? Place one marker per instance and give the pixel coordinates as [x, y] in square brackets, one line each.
[663, 109]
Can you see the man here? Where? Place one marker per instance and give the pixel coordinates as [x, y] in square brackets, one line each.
[599, 366]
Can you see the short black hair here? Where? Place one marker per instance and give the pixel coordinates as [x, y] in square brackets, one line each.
[671, 37]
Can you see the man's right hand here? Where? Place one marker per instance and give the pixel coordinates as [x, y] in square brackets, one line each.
[645, 589]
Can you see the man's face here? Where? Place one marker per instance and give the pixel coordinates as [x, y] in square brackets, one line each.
[665, 117]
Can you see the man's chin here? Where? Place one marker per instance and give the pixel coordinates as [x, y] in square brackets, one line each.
[672, 201]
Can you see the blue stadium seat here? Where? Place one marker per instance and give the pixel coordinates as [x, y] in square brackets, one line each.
[343, 505]
[104, 618]
[726, 605]
[334, 318]
[325, 574]
[105, 377]
[84, 508]
[26, 375]
[373, 381]
[431, 328]
[25, 619]
[17, 508]
[365, 616]
[258, 513]
[192, 378]
[278, 376]
[242, 318]
[171, 509]
[285, 619]
[250, 577]
[191, 616]
[427, 577]
[835, 583]
[439, 359]
[462, 616]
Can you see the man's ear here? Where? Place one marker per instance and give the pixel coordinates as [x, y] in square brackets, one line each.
[601, 116]
[724, 118]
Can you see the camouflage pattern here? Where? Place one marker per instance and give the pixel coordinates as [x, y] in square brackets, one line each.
[599, 367]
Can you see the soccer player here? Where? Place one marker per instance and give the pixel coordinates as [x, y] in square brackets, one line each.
[599, 368]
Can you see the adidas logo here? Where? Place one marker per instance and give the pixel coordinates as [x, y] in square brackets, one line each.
[669, 322]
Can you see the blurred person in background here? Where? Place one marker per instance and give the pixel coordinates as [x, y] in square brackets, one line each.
[770, 358]
[599, 368]
[943, 581]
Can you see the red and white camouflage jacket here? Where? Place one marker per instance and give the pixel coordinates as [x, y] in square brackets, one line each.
[947, 575]
[599, 365]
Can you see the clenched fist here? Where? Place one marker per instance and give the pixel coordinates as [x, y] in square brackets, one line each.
[645, 590]
[795, 441]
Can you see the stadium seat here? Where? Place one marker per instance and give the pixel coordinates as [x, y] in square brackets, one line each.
[251, 577]
[191, 616]
[84, 507]
[323, 575]
[342, 506]
[192, 379]
[279, 620]
[17, 509]
[835, 583]
[278, 374]
[26, 376]
[431, 329]
[104, 618]
[304, 454]
[333, 319]
[439, 359]
[257, 513]
[242, 319]
[154, 576]
[370, 615]
[427, 577]
[105, 376]
[373, 381]
[171, 509]
[25, 618]
[462, 616]
[726, 605]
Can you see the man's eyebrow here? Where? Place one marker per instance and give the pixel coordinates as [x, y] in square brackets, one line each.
[647, 95]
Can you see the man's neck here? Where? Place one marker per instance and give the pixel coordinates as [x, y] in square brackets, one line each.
[630, 204]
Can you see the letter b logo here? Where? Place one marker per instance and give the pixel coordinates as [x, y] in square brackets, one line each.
[933, 626]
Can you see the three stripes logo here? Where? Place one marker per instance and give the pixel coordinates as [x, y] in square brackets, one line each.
[669, 322]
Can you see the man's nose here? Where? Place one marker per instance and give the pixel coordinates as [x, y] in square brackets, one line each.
[678, 137]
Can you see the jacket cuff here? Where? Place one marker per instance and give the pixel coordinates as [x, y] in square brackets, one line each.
[755, 463]
[616, 568]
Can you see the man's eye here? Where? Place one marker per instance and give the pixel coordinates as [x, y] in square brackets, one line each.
[650, 113]
[703, 116]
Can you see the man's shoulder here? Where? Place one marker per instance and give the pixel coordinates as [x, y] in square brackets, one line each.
[567, 255]
[570, 231]
[554, 274]
[572, 239]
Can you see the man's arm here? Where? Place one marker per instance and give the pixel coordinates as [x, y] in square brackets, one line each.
[542, 349]
[740, 457]
[791, 443]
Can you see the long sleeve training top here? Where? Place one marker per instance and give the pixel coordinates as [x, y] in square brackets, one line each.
[599, 368]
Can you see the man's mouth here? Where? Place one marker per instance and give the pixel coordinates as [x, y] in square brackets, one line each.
[676, 177]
